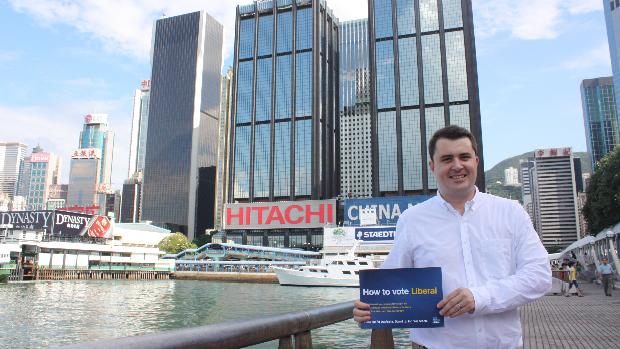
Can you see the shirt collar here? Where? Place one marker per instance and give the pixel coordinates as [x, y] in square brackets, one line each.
[469, 205]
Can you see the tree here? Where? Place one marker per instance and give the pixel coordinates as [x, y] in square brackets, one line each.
[175, 243]
[602, 208]
[200, 240]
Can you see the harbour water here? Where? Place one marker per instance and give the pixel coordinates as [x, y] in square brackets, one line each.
[52, 313]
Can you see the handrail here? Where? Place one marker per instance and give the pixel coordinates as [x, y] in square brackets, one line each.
[236, 334]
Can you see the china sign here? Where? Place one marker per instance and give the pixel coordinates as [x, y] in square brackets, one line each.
[86, 153]
[388, 209]
[286, 214]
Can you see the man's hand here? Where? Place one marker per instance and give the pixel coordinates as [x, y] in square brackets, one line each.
[457, 303]
[361, 312]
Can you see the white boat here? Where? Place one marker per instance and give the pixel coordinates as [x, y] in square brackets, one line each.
[340, 271]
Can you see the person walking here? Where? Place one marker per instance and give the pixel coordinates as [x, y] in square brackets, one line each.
[606, 274]
[572, 279]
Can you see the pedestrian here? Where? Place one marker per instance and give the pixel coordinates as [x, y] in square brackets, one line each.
[491, 258]
[572, 279]
[606, 274]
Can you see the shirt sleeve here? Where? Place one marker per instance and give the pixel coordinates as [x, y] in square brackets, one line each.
[401, 254]
[532, 277]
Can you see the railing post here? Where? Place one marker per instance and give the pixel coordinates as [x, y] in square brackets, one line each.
[381, 338]
[286, 343]
[303, 340]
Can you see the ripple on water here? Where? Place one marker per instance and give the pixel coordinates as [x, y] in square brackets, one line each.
[51, 313]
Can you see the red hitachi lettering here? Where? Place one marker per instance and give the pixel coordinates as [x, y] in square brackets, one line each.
[275, 214]
[259, 211]
[248, 218]
[287, 214]
[318, 213]
[230, 216]
[330, 214]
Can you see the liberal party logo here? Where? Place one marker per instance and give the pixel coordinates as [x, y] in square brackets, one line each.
[436, 320]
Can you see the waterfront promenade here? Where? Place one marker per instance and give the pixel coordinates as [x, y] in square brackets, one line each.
[558, 322]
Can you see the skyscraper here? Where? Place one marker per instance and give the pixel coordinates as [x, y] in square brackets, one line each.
[45, 171]
[555, 197]
[600, 118]
[223, 147]
[612, 21]
[354, 122]
[84, 186]
[285, 100]
[511, 176]
[423, 77]
[183, 119]
[139, 127]
[95, 135]
[11, 157]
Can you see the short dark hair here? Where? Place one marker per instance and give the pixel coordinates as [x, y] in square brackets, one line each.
[451, 132]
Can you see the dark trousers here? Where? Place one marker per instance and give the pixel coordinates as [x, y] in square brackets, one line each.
[607, 280]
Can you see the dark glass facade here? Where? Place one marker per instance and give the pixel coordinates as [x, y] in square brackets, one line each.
[130, 205]
[284, 102]
[183, 117]
[599, 117]
[423, 77]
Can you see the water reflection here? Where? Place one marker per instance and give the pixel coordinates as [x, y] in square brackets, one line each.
[51, 313]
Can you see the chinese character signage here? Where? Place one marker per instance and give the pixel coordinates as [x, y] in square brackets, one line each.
[86, 153]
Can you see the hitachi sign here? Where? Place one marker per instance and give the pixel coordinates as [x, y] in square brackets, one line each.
[289, 214]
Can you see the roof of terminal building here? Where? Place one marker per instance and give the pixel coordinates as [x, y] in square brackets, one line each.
[141, 227]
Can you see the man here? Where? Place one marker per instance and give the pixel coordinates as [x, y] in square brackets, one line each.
[606, 274]
[491, 258]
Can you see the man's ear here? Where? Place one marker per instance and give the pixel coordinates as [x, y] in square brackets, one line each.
[431, 164]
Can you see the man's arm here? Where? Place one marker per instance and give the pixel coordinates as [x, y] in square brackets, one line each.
[532, 278]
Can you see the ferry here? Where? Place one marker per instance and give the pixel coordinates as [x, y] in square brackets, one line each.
[6, 264]
[339, 271]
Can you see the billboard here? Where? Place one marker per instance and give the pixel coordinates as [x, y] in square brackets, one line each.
[388, 209]
[70, 223]
[40, 157]
[31, 220]
[553, 152]
[100, 228]
[285, 214]
[96, 119]
[86, 153]
[347, 236]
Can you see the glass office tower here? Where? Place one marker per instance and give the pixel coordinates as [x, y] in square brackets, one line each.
[612, 21]
[355, 156]
[285, 98]
[95, 134]
[423, 77]
[183, 119]
[600, 119]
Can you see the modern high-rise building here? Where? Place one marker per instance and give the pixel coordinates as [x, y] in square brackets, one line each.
[285, 100]
[355, 156]
[84, 187]
[182, 121]
[612, 21]
[223, 147]
[600, 118]
[527, 167]
[555, 197]
[139, 127]
[131, 200]
[511, 176]
[423, 77]
[45, 172]
[11, 160]
[96, 135]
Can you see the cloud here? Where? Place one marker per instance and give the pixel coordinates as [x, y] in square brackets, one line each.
[597, 56]
[9, 55]
[527, 19]
[57, 128]
[128, 31]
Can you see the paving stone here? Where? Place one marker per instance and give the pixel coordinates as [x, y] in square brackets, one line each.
[588, 322]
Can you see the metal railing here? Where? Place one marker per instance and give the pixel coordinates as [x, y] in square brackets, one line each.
[291, 329]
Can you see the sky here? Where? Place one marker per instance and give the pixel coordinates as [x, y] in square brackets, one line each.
[63, 59]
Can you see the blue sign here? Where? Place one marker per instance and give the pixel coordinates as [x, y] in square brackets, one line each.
[402, 298]
[374, 234]
[388, 208]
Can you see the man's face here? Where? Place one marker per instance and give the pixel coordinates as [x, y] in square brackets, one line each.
[455, 166]
[604, 260]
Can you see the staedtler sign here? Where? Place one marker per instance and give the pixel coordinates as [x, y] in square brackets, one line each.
[285, 214]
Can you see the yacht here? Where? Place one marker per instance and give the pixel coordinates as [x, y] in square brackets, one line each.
[340, 271]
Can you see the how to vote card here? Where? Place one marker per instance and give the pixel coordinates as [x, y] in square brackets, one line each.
[404, 297]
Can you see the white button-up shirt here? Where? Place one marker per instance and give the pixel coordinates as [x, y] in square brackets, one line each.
[492, 249]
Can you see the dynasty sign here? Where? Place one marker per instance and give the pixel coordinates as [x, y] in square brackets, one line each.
[286, 214]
